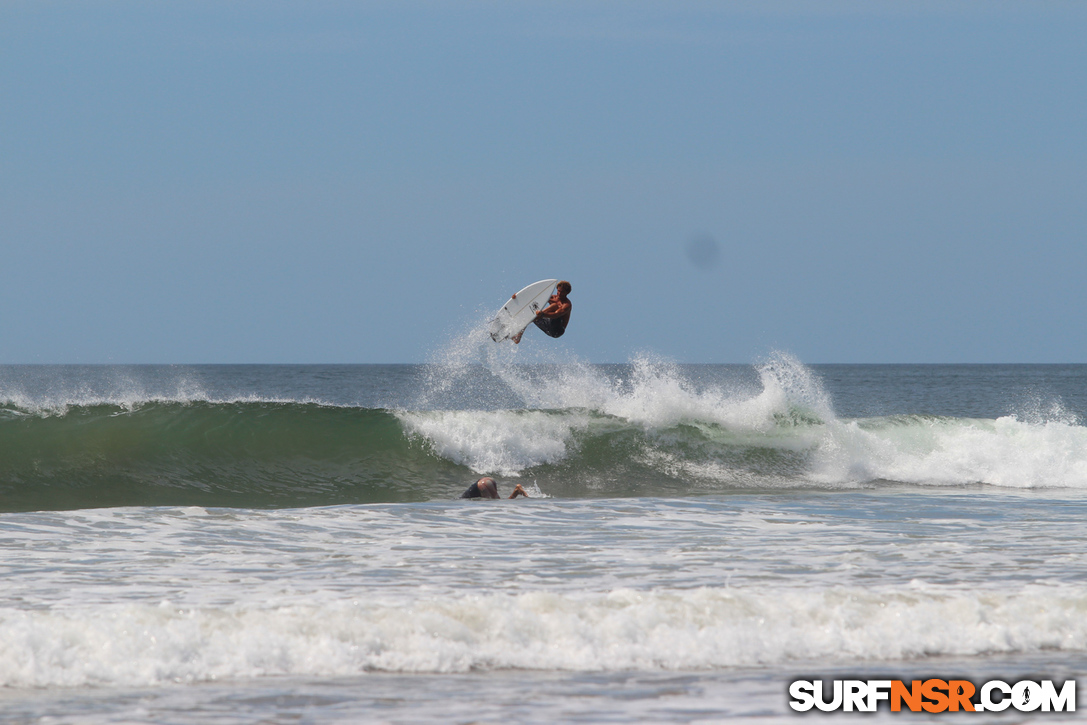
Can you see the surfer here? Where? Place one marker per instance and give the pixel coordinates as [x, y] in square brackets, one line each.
[553, 318]
[487, 487]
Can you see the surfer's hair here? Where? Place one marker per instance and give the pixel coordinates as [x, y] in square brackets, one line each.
[564, 286]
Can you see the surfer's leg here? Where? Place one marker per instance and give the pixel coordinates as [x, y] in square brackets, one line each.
[549, 326]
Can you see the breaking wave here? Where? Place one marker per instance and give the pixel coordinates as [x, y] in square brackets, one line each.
[649, 428]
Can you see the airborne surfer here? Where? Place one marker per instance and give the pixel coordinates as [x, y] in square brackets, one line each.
[553, 318]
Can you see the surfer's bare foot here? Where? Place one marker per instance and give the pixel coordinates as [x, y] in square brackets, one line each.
[517, 338]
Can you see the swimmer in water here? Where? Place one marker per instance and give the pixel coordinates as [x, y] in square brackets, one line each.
[487, 487]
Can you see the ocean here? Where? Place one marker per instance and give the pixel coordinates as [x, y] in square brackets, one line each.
[284, 544]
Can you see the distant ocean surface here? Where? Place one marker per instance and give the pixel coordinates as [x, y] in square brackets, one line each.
[235, 544]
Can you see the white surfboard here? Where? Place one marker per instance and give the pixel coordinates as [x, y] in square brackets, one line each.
[516, 314]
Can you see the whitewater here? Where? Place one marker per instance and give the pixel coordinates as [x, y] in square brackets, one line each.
[280, 543]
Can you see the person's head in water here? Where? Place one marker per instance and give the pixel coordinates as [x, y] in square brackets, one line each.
[487, 487]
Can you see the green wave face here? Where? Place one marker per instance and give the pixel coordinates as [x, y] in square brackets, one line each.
[212, 454]
[286, 454]
[261, 454]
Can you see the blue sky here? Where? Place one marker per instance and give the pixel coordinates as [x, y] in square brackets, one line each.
[360, 182]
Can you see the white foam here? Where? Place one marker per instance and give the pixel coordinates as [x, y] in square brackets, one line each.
[500, 442]
[1003, 452]
[657, 394]
[142, 644]
[577, 397]
[1044, 446]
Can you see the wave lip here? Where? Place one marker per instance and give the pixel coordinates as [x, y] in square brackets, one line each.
[144, 644]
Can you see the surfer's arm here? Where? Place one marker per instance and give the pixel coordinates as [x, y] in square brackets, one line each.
[556, 309]
[518, 491]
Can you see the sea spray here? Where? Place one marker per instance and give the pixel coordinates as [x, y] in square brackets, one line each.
[503, 442]
[651, 411]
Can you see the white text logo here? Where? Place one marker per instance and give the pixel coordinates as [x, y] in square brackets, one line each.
[933, 695]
